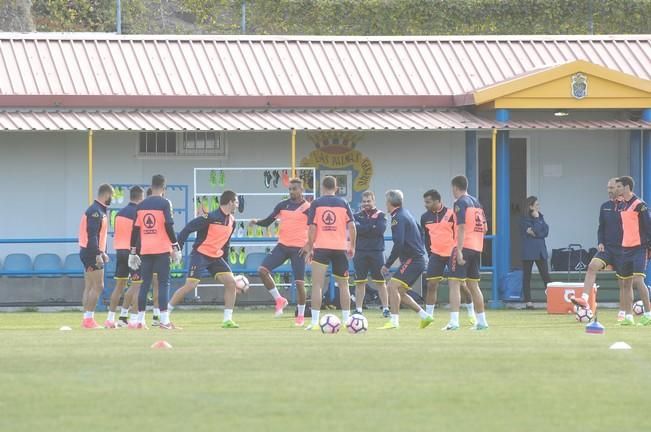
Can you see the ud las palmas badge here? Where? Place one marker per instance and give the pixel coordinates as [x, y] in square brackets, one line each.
[579, 86]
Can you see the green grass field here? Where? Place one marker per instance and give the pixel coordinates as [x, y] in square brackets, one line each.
[529, 372]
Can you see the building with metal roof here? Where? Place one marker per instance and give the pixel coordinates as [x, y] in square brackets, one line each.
[551, 116]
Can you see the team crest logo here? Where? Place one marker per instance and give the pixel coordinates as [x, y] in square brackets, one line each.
[579, 86]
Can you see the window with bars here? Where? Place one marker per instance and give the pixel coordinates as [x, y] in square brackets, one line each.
[182, 144]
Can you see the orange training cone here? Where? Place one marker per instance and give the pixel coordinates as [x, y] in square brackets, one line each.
[161, 344]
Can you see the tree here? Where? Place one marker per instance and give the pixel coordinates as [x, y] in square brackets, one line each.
[16, 15]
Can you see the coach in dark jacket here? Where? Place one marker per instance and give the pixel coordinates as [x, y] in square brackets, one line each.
[534, 230]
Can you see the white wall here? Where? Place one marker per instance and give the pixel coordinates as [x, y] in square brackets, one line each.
[44, 175]
[570, 202]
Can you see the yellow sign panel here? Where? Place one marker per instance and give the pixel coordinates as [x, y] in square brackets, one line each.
[577, 84]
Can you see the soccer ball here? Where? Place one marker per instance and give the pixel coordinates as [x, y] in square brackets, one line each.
[356, 324]
[582, 315]
[638, 307]
[329, 324]
[241, 284]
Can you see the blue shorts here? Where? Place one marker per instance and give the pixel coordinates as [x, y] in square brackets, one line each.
[200, 263]
[436, 267]
[632, 262]
[468, 271]
[609, 256]
[410, 271]
[282, 253]
[89, 260]
[122, 270]
[338, 259]
[366, 262]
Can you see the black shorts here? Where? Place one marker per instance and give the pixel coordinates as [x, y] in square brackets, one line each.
[468, 271]
[436, 267]
[338, 259]
[631, 262]
[122, 270]
[410, 271]
[610, 256]
[200, 263]
[366, 262]
[282, 253]
[89, 260]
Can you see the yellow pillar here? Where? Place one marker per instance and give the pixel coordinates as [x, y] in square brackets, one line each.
[293, 152]
[494, 182]
[90, 166]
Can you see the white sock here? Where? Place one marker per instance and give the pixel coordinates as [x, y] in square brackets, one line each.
[429, 309]
[301, 310]
[228, 314]
[454, 318]
[124, 312]
[647, 314]
[629, 317]
[423, 315]
[111, 316]
[345, 313]
[133, 319]
[274, 293]
[170, 307]
[395, 319]
[156, 312]
[585, 296]
[165, 317]
[385, 308]
[471, 309]
[141, 317]
[88, 315]
[315, 317]
[481, 319]
[621, 313]
[359, 310]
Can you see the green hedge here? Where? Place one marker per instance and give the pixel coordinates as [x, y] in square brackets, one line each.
[349, 17]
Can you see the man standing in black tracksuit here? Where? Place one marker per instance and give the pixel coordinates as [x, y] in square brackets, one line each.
[371, 224]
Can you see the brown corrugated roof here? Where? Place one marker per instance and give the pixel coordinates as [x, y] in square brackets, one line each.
[239, 120]
[265, 120]
[87, 69]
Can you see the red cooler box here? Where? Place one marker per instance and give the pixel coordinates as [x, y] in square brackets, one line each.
[558, 296]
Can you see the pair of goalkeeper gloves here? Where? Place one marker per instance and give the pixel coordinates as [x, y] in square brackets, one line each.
[135, 261]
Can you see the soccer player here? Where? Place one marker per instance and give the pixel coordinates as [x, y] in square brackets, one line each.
[292, 237]
[93, 230]
[438, 231]
[470, 227]
[409, 248]
[631, 267]
[330, 222]
[152, 239]
[214, 231]
[609, 241]
[122, 243]
[371, 224]
[130, 301]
